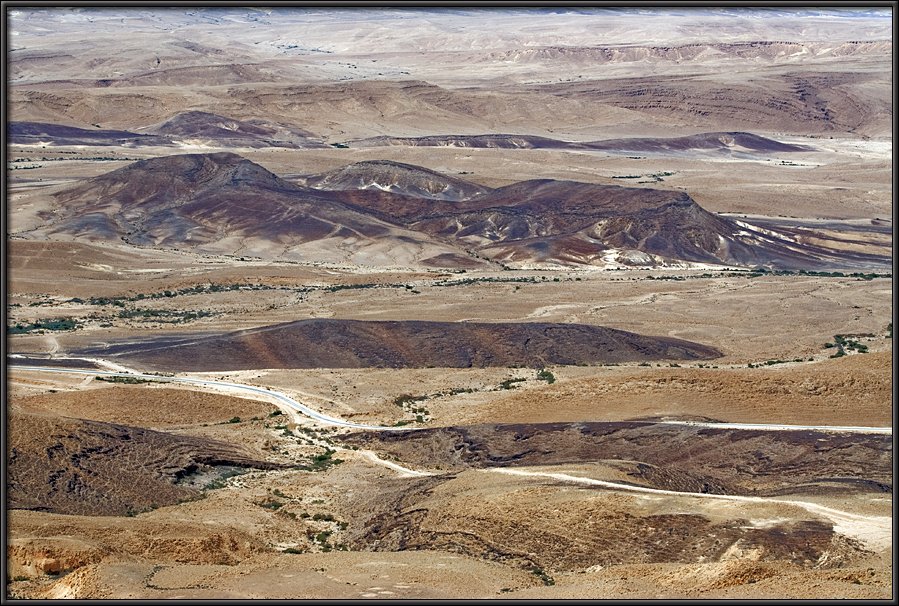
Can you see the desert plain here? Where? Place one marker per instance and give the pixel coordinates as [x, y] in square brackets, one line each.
[449, 303]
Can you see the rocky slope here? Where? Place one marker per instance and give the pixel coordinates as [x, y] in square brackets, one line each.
[721, 142]
[74, 466]
[208, 128]
[398, 178]
[380, 212]
[404, 344]
[221, 202]
[42, 133]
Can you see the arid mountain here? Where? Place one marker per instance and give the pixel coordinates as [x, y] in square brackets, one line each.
[396, 177]
[222, 202]
[567, 222]
[74, 466]
[339, 110]
[209, 128]
[719, 142]
[329, 343]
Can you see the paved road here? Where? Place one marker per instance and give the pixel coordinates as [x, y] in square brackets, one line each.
[280, 397]
[328, 420]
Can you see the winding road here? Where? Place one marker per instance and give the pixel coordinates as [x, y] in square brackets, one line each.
[313, 414]
[875, 531]
[256, 391]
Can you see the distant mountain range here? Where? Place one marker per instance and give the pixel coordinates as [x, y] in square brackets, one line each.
[212, 130]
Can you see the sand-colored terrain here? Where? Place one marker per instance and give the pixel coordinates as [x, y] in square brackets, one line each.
[532, 246]
[848, 391]
[152, 407]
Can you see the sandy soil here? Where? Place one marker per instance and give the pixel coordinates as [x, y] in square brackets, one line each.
[149, 406]
[333, 519]
[855, 390]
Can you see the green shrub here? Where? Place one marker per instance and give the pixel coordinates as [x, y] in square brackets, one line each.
[547, 376]
[126, 380]
[547, 580]
[51, 324]
[510, 383]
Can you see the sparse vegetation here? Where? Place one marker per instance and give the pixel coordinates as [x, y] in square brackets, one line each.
[323, 461]
[408, 399]
[164, 315]
[845, 344]
[222, 480]
[543, 576]
[510, 383]
[53, 324]
[545, 375]
[125, 380]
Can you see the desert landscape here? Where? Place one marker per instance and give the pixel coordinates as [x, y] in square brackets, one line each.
[333, 303]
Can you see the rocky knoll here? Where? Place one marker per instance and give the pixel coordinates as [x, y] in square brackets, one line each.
[396, 177]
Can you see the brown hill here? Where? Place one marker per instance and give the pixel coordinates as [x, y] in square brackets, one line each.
[222, 202]
[74, 466]
[403, 344]
[228, 132]
[721, 142]
[396, 177]
[569, 222]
